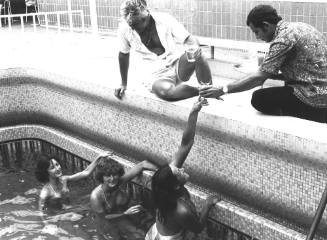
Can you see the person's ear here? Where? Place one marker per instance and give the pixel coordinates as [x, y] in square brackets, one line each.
[266, 25]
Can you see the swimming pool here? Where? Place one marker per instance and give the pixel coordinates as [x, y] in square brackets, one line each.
[257, 165]
[20, 219]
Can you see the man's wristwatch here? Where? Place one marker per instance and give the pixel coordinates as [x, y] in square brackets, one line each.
[225, 89]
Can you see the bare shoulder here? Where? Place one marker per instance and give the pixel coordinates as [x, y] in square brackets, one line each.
[186, 215]
[96, 200]
[95, 194]
[185, 208]
[45, 192]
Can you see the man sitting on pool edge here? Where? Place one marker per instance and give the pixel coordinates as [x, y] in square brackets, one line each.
[299, 52]
[153, 35]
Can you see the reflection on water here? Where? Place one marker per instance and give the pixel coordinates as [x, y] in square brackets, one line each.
[21, 219]
[17, 200]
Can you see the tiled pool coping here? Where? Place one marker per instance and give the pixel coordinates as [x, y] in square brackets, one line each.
[224, 212]
[262, 161]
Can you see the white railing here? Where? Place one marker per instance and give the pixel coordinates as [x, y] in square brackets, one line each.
[45, 17]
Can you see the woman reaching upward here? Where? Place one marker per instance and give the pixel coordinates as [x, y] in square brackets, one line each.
[175, 212]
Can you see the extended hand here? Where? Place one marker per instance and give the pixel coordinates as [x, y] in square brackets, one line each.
[133, 210]
[211, 91]
[199, 103]
[149, 165]
[119, 92]
[105, 154]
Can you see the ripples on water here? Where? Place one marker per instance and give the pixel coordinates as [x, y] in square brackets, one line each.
[20, 218]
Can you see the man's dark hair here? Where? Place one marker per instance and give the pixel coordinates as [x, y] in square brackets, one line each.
[263, 13]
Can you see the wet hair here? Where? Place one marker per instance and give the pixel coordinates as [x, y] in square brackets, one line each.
[132, 7]
[107, 167]
[42, 166]
[262, 13]
[164, 193]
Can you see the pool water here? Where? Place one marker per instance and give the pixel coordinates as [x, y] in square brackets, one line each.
[20, 218]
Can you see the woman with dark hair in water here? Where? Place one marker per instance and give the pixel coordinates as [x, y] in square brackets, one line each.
[54, 193]
[175, 212]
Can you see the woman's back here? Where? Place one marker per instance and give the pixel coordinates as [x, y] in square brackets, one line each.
[177, 220]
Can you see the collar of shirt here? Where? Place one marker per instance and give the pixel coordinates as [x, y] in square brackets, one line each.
[279, 27]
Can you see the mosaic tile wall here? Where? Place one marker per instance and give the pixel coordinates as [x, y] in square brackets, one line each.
[224, 19]
[273, 173]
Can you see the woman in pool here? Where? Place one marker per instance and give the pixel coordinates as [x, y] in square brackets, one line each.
[175, 212]
[54, 194]
[109, 200]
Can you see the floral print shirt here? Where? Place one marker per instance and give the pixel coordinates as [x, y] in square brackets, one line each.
[299, 52]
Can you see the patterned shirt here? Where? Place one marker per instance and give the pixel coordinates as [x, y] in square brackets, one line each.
[299, 52]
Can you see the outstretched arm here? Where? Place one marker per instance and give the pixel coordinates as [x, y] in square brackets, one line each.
[136, 170]
[247, 83]
[86, 172]
[188, 135]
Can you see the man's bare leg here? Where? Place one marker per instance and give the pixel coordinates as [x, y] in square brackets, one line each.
[201, 67]
[169, 91]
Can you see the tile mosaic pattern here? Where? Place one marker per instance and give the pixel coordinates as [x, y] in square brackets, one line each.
[225, 19]
[269, 170]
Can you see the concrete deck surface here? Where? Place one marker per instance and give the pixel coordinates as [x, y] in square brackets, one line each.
[83, 57]
[95, 59]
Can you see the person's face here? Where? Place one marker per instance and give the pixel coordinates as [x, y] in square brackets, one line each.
[111, 180]
[265, 33]
[139, 22]
[54, 169]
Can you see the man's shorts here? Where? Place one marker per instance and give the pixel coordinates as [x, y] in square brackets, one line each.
[163, 72]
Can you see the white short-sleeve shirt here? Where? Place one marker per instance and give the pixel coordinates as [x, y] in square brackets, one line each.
[169, 31]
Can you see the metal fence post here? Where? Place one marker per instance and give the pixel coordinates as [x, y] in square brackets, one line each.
[22, 23]
[70, 15]
[82, 22]
[318, 215]
[94, 16]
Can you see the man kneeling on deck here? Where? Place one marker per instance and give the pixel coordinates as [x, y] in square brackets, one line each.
[299, 52]
[153, 35]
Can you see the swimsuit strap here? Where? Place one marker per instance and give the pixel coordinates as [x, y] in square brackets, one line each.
[53, 190]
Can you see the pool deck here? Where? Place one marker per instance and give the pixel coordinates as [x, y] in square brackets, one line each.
[93, 59]
[87, 58]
